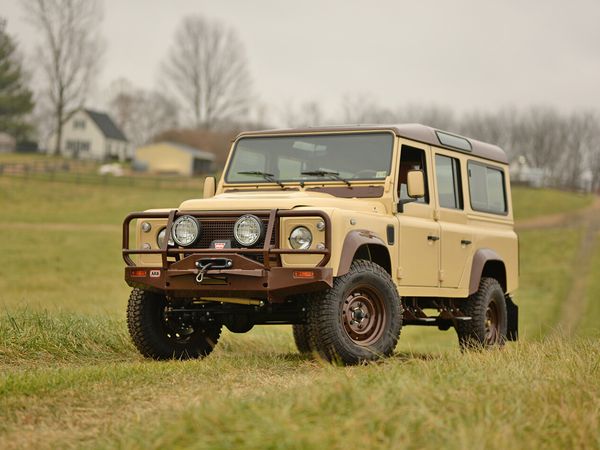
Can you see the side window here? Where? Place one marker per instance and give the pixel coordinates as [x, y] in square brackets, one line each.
[448, 182]
[486, 188]
[411, 159]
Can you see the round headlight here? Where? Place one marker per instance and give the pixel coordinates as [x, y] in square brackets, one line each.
[185, 231]
[160, 238]
[248, 230]
[300, 238]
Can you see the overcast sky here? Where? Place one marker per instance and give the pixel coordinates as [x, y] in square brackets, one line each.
[463, 54]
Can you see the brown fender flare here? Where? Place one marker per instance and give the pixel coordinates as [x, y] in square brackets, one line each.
[480, 258]
[353, 241]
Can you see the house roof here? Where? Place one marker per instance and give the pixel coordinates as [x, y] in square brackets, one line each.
[106, 125]
[195, 152]
[414, 131]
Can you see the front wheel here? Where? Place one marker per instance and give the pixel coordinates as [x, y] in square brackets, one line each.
[159, 332]
[487, 308]
[359, 318]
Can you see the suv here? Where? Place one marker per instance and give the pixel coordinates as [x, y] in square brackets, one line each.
[346, 233]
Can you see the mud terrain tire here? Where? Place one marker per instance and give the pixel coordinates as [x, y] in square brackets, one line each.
[301, 338]
[487, 308]
[156, 338]
[358, 319]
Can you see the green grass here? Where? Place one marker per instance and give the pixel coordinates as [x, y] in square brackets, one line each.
[529, 203]
[590, 323]
[69, 376]
[547, 269]
[34, 201]
[72, 381]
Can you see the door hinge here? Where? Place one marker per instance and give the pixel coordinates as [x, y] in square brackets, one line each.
[441, 275]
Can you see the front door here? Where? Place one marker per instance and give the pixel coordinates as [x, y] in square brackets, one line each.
[419, 232]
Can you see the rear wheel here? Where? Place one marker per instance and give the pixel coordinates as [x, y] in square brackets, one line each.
[359, 318]
[487, 309]
[160, 332]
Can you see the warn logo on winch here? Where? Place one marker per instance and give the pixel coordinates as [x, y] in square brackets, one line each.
[155, 274]
[220, 245]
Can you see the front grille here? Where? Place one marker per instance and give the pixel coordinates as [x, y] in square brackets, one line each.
[222, 229]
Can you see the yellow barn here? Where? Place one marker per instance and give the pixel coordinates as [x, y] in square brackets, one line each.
[173, 159]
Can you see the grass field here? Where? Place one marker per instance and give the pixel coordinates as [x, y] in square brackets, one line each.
[69, 376]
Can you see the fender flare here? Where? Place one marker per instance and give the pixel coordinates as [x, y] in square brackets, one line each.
[480, 258]
[353, 241]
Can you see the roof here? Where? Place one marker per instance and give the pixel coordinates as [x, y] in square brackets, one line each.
[413, 131]
[195, 152]
[108, 128]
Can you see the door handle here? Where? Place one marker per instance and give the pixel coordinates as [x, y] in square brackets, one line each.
[465, 242]
[433, 238]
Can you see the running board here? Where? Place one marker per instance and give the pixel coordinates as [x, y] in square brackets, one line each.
[446, 318]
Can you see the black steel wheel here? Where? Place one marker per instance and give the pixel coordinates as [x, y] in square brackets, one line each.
[487, 309]
[359, 318]
[158, 331]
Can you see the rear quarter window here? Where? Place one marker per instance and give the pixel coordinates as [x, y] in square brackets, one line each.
[487, 189]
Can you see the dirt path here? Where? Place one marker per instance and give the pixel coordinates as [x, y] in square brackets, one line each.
[573, 306]
[560, 219]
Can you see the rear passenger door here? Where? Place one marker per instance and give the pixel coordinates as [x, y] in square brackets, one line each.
[456, 236]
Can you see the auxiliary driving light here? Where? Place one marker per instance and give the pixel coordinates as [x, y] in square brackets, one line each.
[185, 231]
[248, 230]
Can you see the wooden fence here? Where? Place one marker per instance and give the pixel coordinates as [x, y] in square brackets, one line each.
[86, 173]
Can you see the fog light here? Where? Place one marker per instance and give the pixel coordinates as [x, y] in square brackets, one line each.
[146, 227]
[320, 246]
[146, 246]
[320, 225]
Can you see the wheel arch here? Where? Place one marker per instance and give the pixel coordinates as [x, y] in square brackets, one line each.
[363, 244]
[487, 263]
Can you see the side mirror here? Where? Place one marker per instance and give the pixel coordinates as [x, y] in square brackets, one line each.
[415, 184]
[209, 187]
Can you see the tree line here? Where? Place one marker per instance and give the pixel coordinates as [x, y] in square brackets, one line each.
[205, 93]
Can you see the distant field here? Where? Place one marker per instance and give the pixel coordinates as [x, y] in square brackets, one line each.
[529, 203]
[69, 376]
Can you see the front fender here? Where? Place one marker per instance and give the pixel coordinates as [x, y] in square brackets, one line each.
[353, 241]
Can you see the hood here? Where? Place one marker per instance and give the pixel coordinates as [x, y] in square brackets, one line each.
[263, 200]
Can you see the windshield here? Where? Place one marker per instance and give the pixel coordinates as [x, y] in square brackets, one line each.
[339, 157]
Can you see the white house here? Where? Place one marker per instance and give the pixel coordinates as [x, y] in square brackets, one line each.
[92, 135]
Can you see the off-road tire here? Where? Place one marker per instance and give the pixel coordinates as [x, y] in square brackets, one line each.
[301, 338]
[150, 335]
[487, 309]
[300, 330]
[367, 288]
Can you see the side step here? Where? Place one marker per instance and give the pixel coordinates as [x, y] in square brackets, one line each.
[446, 318]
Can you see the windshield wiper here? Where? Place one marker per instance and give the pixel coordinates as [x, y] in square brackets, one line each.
[267, 176]
[326, 173]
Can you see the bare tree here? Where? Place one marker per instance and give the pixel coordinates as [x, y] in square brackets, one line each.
[68, 54]
[141, 114]
[207, 67]
[307, 114]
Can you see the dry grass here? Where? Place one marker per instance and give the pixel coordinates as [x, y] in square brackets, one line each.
[70, 378]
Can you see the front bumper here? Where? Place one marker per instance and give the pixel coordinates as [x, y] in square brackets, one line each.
[245, 277]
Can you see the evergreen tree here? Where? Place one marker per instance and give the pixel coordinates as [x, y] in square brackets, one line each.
[16, 100]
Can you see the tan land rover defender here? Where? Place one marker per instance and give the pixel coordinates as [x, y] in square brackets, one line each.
[346, 233]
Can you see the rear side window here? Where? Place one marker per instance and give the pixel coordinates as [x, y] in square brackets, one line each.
[486, 188]
[447, 172]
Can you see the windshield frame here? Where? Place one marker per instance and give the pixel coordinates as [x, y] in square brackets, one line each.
[313, 180]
